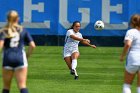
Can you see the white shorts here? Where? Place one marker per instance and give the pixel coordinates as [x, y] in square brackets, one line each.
[132, 68]
[68, 52]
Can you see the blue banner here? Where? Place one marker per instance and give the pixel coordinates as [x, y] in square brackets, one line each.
[54, 17]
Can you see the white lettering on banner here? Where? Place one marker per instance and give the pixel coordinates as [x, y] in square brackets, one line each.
[63, 14]
[28, 8]
[106, 9]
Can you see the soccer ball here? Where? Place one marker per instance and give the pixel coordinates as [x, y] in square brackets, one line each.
[99, 25]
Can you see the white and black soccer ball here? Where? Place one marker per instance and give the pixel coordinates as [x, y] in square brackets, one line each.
[99, 25]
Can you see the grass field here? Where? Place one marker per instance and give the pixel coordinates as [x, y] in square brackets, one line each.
[99, 72]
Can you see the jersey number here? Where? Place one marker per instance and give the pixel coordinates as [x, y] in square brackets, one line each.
[14, 41]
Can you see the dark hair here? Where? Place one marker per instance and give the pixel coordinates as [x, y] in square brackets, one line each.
[73, 24]
[135, 21]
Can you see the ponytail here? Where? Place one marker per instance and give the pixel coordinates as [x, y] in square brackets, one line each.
[11, 25]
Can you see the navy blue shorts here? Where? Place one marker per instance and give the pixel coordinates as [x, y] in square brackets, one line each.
[14, 59]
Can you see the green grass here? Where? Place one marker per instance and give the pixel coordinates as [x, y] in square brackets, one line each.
[99, 72]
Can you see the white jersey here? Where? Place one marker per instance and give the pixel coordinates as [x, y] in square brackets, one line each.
[133, 57]
[71, 45]
[69, 42]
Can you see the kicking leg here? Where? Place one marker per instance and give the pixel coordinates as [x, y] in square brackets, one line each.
[68, 61]
[75, 56]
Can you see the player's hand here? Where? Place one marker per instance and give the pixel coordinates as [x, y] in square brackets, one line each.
[93, 46]
[121, 58]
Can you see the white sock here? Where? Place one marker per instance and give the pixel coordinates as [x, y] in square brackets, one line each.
[126, 88]
[138, 89]
[74, 64]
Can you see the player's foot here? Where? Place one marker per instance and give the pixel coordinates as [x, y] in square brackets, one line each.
[76, 77]
[72, 72]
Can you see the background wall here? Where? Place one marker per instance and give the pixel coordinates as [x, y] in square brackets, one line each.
[48, 20]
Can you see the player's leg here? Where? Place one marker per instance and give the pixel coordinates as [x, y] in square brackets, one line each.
[21, 77]
[128, 79]
[7, 76]
[138, 82]
[67, 57]
[68, 61]
[75, 56]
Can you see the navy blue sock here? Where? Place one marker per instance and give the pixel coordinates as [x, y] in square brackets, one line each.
[5, 91]
[24, 90]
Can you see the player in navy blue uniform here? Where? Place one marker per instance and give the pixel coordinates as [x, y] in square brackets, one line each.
[12, 40]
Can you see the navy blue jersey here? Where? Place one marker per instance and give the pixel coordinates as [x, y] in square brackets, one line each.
[17, 42]
[13, 50]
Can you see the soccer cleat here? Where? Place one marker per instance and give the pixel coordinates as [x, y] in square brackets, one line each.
[76, 77]
[72, 72]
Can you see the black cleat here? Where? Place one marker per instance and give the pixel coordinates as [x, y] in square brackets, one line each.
[76, 77]
[72, 72]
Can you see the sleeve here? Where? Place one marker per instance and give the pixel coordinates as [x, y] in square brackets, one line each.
[28, 37]
[70, 32]
[2, 37]
[129, 36]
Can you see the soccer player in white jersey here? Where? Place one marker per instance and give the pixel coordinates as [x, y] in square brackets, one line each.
[71, 52]
[132, 50]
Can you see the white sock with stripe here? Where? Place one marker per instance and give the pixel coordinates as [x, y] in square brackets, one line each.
[74, 64]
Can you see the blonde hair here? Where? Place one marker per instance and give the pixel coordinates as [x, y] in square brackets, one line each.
[11, 25]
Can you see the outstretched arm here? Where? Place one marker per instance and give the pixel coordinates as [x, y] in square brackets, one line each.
[83, 41]
[87, 42]
[76, 38]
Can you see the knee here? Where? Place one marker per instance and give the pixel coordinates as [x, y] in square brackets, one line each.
[75, 56]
